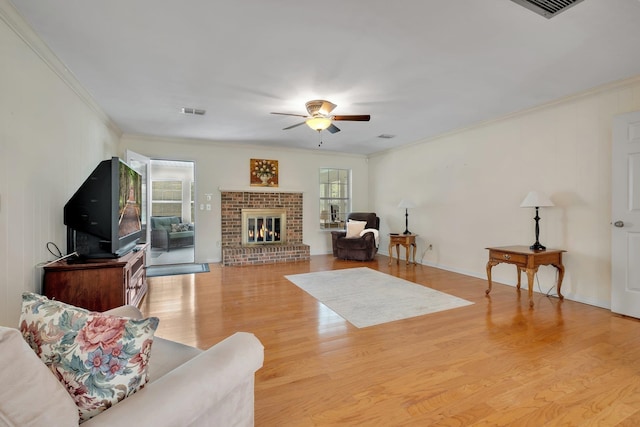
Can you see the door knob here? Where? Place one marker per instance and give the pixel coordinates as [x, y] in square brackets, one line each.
[619, 224]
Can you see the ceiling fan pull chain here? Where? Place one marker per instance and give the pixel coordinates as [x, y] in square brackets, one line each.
[320, 134]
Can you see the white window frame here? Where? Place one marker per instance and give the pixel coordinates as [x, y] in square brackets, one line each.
[334, 197]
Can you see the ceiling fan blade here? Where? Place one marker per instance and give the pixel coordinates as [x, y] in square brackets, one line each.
[354, 118]
[326, 107]
[333, 128]
[288, 114]
[294, 126]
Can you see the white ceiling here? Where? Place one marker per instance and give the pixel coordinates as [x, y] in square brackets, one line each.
[419, 67]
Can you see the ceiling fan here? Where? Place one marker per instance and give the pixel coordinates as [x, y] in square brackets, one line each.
[320, 118]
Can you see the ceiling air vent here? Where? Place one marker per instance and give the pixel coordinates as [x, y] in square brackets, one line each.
[193, 111]
[547, 8]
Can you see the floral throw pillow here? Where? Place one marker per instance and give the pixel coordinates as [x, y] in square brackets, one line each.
[180, 227]
[99, 359]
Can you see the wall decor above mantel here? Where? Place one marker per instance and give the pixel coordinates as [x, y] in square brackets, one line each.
[263, 172]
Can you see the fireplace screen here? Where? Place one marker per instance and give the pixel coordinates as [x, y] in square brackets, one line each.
[263, 226]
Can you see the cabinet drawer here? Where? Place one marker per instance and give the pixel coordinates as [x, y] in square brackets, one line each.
[509, 257]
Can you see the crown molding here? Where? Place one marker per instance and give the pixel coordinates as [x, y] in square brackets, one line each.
[10, 16]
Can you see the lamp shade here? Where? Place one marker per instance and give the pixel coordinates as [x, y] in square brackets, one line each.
[406, 204]
[536, 199]
[318, 123]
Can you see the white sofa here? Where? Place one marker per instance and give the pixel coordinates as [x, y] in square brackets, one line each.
[187, 387]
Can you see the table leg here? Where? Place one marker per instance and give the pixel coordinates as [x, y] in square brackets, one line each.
[490, 265]
[531, 273]
[415, 247]
[390, 252]
[560, 268]
[406, 250]
[519, 274]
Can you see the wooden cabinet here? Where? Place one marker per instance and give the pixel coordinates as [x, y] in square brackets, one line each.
[99, 284]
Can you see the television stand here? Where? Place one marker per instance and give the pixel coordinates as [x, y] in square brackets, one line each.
[98, 284]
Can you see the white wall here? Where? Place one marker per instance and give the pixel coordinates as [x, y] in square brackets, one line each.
[225, 166]
[51, 138]
[469, 185]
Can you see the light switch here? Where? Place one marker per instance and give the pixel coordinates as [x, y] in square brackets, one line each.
[201, 206]
[208, 206]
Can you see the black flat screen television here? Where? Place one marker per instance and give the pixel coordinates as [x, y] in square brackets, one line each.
[103, 217]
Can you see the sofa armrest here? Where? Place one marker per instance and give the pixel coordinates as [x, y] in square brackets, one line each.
[185, 394]
[130, 311]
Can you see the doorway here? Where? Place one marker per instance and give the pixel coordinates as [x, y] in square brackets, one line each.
[171, 212]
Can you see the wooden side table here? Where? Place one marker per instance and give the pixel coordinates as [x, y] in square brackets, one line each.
[528, 260]
[406, 240]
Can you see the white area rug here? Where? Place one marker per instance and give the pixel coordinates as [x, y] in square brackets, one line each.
[367, 297]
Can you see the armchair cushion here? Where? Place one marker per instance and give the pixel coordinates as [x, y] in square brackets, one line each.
[100, 359]
[354, 228]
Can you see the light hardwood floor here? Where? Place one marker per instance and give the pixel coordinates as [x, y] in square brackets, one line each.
[495, 362]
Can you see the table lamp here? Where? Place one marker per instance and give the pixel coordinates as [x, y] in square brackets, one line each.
[535, 199]
[406, 204]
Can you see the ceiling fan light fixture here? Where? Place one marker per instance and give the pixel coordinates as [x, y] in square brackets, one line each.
[318, 123]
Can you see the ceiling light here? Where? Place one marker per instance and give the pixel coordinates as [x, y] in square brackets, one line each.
[318, 123]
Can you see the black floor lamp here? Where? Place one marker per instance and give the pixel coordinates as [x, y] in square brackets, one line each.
[536, 200]
[406, 204]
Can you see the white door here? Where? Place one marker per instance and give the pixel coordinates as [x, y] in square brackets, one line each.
[625, 229]
[142, 165]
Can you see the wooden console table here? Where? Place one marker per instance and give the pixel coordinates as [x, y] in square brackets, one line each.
[528, 260]
[98, 284]
[406, 240]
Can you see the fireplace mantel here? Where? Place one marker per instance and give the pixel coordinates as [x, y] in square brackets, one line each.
[258, 190]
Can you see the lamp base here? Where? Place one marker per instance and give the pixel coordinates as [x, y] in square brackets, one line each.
[537, 247]
[406, 232]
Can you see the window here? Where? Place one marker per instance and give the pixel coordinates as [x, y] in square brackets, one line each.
[335, 197]
[166, 198]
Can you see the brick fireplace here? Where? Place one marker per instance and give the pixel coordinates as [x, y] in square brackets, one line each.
[234, 252]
